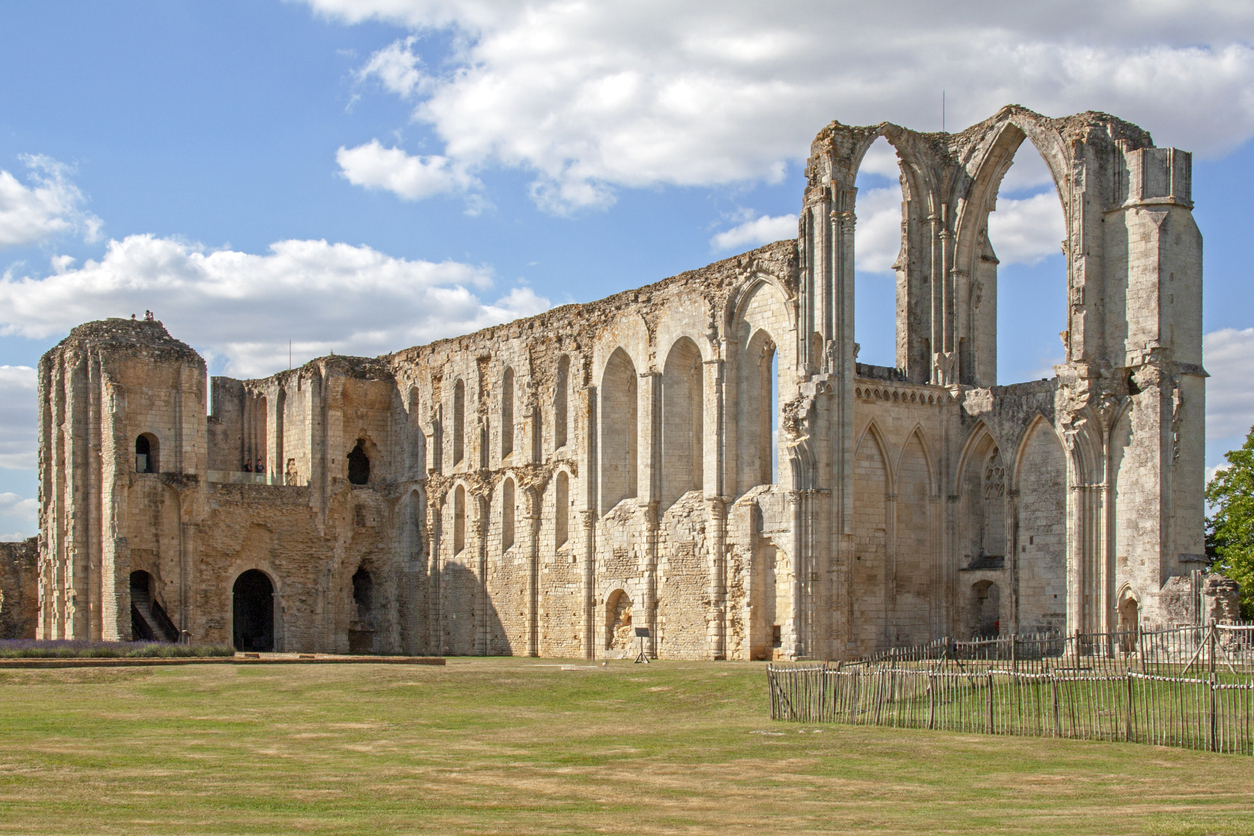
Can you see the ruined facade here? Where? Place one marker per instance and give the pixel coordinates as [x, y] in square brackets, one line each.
[703, 456]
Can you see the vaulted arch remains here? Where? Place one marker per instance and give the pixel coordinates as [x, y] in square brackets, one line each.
[915, 550]
[1041, 533]
[982, 490]
[868, 560]
[618, 436]
[683, 409]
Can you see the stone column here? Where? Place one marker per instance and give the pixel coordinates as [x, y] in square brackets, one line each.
[534, 500]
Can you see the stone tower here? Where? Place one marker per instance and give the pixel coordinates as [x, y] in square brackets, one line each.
[122, 452]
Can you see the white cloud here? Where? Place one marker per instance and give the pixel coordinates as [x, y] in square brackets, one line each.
[412, 178]
[12, 505]
[396, 68]
[591, 97]
[18, 435]
[49, 206]
[1026, 231]
[245, 307]
[877, 234]
[1229, 357]
[756, 231]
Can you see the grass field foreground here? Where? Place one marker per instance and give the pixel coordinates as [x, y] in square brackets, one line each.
[530, 746]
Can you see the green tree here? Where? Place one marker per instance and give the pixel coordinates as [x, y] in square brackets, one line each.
[1230, 530]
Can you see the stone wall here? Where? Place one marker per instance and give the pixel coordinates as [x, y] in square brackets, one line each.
[19, 589]
[702, 457]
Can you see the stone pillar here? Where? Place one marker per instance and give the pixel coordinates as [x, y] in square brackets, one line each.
[716, 618]
[534, 500]
[483, 639]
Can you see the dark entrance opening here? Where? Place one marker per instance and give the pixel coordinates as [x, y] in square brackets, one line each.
[149, 621]
[361, 631]
[358, 464]
[146, 453]
[252, 602]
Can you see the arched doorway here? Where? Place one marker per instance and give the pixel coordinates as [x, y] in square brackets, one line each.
[362, 627]
[1129, 624]
[252, 606]
[986, 609]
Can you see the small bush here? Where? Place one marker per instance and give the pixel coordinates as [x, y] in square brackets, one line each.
[74, 649]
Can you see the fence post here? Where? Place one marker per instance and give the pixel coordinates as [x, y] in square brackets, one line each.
[1214, 737]
[931, 700]
[1053, 686]
[990, 703]
[1128, 725]
[822, 693]
[1014, 654]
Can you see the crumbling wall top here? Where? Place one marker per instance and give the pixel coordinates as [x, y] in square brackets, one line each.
[127, 336]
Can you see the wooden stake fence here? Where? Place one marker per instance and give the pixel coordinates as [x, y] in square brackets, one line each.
[1194, 713]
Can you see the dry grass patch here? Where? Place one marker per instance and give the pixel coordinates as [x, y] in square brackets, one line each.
[519, 746]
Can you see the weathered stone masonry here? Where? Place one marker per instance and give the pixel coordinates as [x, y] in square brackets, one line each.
[544, 486]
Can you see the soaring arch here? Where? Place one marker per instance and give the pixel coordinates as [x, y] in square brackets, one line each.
[682, 420]
[618, 436]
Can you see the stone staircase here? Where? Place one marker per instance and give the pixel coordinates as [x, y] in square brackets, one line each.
[149, 621]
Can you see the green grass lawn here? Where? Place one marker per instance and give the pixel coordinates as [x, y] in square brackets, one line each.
[523, 746]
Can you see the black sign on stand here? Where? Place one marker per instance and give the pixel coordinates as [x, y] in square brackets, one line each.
[642, 633]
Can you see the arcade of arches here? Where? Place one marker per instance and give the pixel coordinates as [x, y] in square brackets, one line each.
[704, 456]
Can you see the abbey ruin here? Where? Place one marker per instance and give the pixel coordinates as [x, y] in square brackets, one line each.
[704, 456]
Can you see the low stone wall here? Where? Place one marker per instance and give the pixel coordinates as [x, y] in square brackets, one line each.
[19, 589]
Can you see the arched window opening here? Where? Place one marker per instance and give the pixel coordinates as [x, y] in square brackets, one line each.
[877, 243]
[459, 519]
[773, 388]
[259, 436]
[986, 609]
[459, 421]
[560, 395]
[537, 435]
[415, 528]
[146, 458]
[252, 612]
[507, 413]
[619, 633]
[416, 440]
[1129, 624]
[359, 464]
[561, 513]
[149, 620]
[507, 515]
[682, 415]
[618, 430]
[759, 413]
[1022, 303]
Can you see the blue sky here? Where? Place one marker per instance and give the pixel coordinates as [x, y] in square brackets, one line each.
[364, 175]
